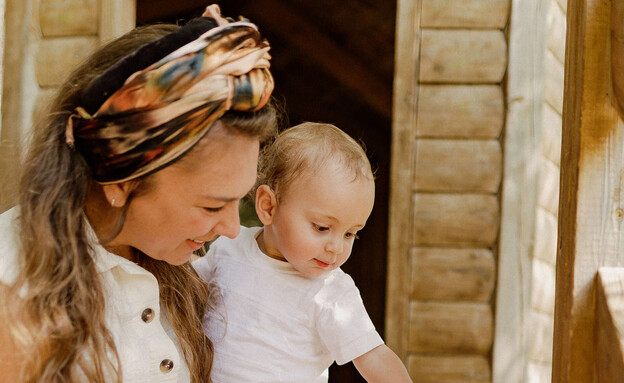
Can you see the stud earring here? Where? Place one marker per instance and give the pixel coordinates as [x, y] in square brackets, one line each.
[113, 202]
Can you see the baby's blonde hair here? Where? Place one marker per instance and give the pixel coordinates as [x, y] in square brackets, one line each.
[306, 148]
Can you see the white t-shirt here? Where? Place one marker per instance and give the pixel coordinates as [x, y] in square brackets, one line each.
[129, 290]
[272, 324]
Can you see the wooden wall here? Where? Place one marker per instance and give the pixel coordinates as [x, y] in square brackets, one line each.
[44, 40]
[448, 124]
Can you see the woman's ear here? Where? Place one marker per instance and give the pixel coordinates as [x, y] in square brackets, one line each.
[266, 202]
[117, 194]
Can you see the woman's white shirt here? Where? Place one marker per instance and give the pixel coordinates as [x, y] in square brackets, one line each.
[145, 341]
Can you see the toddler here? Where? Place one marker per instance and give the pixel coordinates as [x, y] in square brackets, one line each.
[287, 311]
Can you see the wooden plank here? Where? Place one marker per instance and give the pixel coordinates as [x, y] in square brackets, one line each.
[449, 369]
[545, 237]
[539, 372]
[541, 337]
[525, 92]
[548, 187]
[458, 165]
[551, 134]
[471, 270]
[543, 292]
[9, 167]
[476, 14]
[401, 175]
[590, 219]
[116, 18]
[556, 30]
[68, 17]
[454, 328]
[617, 54]
[455, 219]
[57, 56]
[553, 91]
[466, 111]
[610, 324]
[462, 56]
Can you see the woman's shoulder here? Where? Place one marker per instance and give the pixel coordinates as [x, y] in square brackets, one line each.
[9, 245]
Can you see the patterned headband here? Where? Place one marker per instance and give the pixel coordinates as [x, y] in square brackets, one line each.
[162, 111]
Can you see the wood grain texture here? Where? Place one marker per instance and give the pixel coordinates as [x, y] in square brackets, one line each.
[551, 134]
[590, 223]
[58, 56]
[610, 324]
[401, 176]
[450, 328]
[472, 272]
[68, 17]
[455, 219]
[477, 14]
[462, 111]
[617, 54]
[464, 56]
[458, 166]
[449, 369]
[116, 18]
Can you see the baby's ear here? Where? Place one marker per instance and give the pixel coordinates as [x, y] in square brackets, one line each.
[266, 201]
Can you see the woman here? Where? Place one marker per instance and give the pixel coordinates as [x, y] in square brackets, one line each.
[150, 145]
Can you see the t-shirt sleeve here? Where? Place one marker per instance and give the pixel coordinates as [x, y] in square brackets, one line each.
[344, 325]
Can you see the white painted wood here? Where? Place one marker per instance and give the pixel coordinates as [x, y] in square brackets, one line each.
[525, 93]
[551, 133]
[554, 82]
[548, 187]
[541, 337]
[543, 293]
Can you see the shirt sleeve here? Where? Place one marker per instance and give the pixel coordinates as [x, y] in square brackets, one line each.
[343, 323]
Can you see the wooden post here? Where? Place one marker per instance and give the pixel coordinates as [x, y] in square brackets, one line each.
[591, 215]
[617, 53]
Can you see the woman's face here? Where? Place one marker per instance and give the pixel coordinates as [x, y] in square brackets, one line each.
[193, 201]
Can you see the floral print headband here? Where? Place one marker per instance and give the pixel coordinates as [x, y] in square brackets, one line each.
[162, 111]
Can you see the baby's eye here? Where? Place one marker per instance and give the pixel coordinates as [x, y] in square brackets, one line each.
[351, 235]
[320, 228]
[213, 209]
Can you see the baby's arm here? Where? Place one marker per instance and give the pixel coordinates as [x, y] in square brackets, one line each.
[381, 365]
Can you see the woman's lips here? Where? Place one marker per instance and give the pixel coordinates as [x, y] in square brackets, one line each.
[195, 244]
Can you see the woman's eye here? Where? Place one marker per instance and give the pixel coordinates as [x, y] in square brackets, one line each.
[213, 209]
[320, 228]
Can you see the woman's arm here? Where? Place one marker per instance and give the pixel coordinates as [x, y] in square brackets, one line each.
[10, 357]
[381, 365]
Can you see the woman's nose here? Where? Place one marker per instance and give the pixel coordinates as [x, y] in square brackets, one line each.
[229, 224]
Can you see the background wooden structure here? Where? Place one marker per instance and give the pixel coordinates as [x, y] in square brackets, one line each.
[462, 115]
[591, 215]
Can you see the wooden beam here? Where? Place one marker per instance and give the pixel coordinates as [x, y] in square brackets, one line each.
[610, 324]
[401, 174]
[591, 231]
[617, 54]
[350, 71]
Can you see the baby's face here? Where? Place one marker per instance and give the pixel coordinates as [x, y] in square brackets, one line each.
[316, 222]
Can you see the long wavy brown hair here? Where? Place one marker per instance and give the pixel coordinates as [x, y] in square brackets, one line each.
[59, 318]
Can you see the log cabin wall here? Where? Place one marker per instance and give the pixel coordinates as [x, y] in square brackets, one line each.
[477, 112]
[44, 39]
[448, 125]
